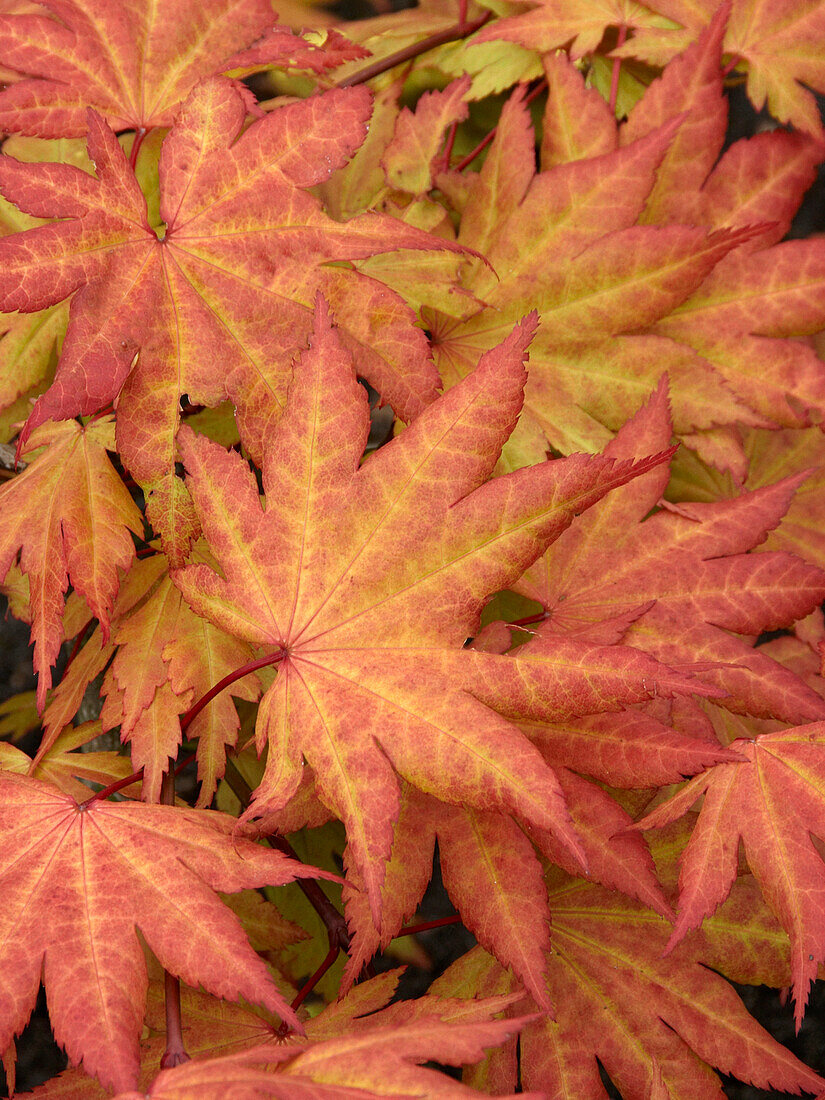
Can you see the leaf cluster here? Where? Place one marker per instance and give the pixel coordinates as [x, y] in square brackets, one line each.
[411, 445]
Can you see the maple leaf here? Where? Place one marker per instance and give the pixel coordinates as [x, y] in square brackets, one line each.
[775, 42]
[773, 802]
[670, 568]
[721, 348]
[347, 1057]
[367, 582]
[760, 179]
[167, 658]
[408, 157]
[352, 1031]
[768, 457]
[558, 241]
[232, 281]
[134, 63]
[65, 768]
[620, 999]
[551, 24]
[162, 864]
[493, 876]
[68, 515]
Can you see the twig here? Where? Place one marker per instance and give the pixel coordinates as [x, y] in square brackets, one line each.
[409, 53]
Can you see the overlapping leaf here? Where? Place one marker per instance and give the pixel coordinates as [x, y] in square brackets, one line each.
[70, 770]
[134, 62]
[620, 999]
[352, 1058]
[493, 875]
[550, 24]
[689, 568]
[354, 1048]
[63, 865]
[774, 803]
[764, 458]
[777, 44]
[608, 287]
[561, 243]
[167, 658]
[231, 282]
[68, 515]
[367, 582]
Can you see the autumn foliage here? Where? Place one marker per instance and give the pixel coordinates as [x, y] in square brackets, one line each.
[414, 448]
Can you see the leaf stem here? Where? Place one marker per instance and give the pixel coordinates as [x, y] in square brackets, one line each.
[414, 929]
[336, 926]
[136, 144]
[175, 1053]
[482, 145]
[270, 659]
[409, 53]
[113, 788]
[528, 620]
[731, 65]
[78, 642]
[444, 159]
[312, 981]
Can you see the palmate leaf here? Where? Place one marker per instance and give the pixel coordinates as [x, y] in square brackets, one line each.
[774, 802]
[366, 583]
[65, 768]
[766, 458]
[167, 658]
[689, 567]
[376, 1059]
[598, 280]
[231, 283]
[63, 865]
[777, 44]
[619, 998]
[493, 875]
[600, 334]
[134, 62]
[357, 1048]
[548, 25]
[68, 515]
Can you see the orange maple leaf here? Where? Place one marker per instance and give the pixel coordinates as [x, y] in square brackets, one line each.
[777, 42]
[620, 999]
[367, 582]
[774, 801]
[68, 515]
[494, 876]
[364, 1063]
[688, 566]
[550, 24]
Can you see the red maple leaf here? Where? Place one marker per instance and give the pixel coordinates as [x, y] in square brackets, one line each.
[229, 279]
[135, 63]
[162, 864]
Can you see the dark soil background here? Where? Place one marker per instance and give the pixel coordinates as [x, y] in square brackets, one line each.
[39, 1058]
